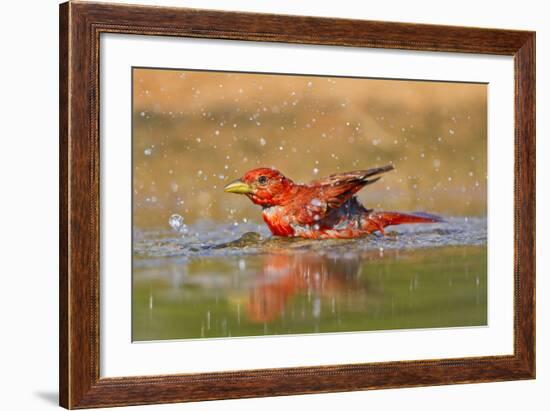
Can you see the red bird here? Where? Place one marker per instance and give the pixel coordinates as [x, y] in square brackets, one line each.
[324, 208]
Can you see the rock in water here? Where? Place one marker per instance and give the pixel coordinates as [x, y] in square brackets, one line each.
[247, 239]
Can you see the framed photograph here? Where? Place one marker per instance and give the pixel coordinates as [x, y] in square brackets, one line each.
[259, 205]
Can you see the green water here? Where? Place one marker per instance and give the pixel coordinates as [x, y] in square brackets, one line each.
[297, 291]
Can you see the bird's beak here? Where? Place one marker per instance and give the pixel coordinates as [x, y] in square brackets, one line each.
[238, 187]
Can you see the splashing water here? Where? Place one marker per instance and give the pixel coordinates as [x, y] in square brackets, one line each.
[176, 222]
[209, 239]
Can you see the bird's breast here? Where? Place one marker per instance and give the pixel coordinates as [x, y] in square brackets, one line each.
[277, 220]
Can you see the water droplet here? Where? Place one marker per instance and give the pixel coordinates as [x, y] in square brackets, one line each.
[176, 222]
[316, 202]
[316, 307]
[262, 141]
[148, 151]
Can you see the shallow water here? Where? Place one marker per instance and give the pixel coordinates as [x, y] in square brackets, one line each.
[237, 280]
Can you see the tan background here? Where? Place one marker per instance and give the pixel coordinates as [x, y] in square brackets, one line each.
[195, 131]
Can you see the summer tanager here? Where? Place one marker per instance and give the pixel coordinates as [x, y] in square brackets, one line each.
[324, 208]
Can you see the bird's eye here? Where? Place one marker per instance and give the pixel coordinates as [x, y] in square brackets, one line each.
[262, 180]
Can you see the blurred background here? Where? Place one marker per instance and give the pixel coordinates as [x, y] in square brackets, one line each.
[195, 131]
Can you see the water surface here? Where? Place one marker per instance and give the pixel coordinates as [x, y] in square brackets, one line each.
[213, 280]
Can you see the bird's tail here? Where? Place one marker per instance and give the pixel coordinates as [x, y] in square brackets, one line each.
[379, 220]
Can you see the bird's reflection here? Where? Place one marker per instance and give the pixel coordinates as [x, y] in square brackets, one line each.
[286, 275]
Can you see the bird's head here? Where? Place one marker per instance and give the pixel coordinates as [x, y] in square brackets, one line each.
[264, 186]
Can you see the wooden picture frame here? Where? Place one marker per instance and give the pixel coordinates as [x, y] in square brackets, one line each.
[80, 27]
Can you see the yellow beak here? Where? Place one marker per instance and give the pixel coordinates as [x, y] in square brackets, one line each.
[238, 187]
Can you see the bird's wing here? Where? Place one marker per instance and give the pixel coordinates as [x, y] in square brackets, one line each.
[323, 195]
